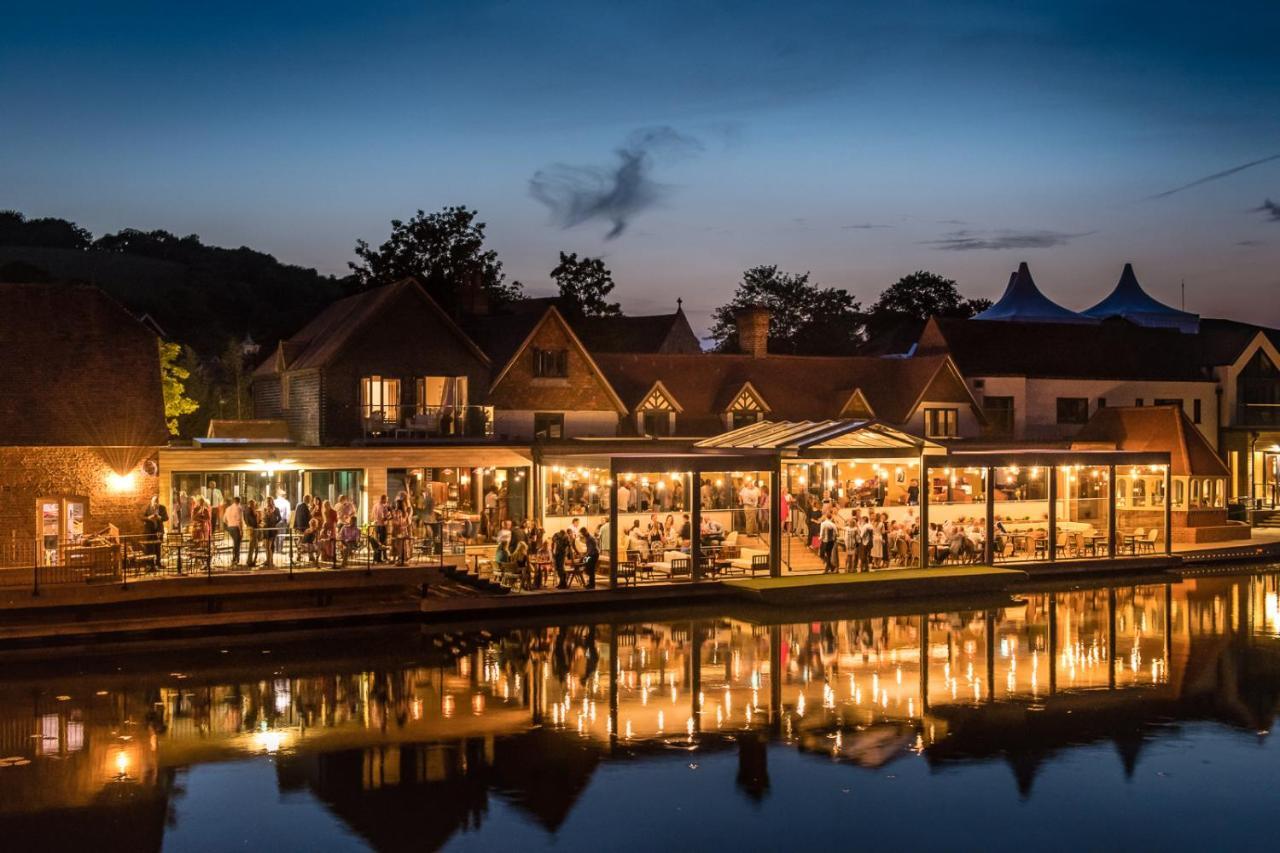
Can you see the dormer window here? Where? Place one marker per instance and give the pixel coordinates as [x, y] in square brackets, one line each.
[747, 408]
[656, 414]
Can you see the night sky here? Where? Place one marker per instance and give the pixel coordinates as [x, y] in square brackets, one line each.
[683, 141]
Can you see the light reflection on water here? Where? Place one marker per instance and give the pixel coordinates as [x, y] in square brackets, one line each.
[404, 735]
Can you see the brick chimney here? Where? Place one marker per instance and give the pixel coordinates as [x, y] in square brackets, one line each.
[753, 330]
[473, 300]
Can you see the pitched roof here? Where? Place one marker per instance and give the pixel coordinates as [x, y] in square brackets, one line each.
[1023, 301]
[1155, 428]
[1222, 341]
[1130, 301]
[649, 333]
[796, 388]
[78, 370]
[1115, 349]
[323, 339]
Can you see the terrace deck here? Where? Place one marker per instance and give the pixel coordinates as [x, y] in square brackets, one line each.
[896, 583]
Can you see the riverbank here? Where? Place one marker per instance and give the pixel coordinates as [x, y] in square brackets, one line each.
[247, 603]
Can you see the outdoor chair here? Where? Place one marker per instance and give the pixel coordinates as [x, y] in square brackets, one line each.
[627, 571]
[682, 568]
[1147, 544]
[137, 561]
[760, 563]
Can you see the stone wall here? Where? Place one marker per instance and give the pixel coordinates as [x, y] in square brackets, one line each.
[31, 473]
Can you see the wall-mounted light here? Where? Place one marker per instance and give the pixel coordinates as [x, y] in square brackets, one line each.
[118, 482]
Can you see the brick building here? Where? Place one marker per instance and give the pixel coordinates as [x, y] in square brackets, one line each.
[81, 415]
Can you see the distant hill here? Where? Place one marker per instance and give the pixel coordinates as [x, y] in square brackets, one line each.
[200, 295]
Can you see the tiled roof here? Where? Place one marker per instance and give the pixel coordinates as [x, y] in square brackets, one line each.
[1114, 349]
[322, 340]
[1155, 428]
[795, 388]
[78, 370]
[1222, 341]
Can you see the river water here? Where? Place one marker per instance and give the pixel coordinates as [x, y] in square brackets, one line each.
[1132, 717]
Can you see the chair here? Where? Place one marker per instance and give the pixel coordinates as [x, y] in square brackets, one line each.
[759, 563]
[508, 575]
[626, 572]
[1041, 548]
[746, 559]
[681, 568]
[1147, 544]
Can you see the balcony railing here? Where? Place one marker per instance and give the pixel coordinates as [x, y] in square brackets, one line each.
[1258, 414]
[409, 423]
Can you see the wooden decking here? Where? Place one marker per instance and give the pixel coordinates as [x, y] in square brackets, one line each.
[888, 583]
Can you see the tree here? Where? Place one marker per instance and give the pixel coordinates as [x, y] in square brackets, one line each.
[443, 250]
[584, 284]
[922, 295]
[17, 230]
[805, 319]
[235, 375]
[172, 381]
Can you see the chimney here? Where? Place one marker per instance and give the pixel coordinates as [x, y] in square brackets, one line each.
[753, 330]
[474, 300]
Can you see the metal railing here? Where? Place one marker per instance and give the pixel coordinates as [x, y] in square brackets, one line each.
[409, 422]
[38, 564]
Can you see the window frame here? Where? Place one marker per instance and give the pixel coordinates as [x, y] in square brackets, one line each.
[950, 422]
[1080, 417]
[548, 419]
[550, 363]
[386, 402]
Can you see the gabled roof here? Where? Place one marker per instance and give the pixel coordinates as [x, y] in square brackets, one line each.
[78, 370]
[1155, 428]
[553, 315]
[659, 394]
[1023, 301]
[795, 387]
[321, 341]
[1130, 301]
[1114, 349]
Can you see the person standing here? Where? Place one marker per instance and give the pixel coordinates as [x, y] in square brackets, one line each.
[749, 499]
[591, 558]
[154, 519]
[827, 548]
[252, 525]
[233, 522]
[270, 528]
[381, 518]
[560, 546]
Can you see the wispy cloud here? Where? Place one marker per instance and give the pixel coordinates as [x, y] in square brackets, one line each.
[1251, 243]
[1215, 176]
[966, 241]
[1270, 208]
[579, 194]
[864, 226]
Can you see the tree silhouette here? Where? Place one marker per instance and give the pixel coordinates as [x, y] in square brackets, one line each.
[922, 295]
[805, 319]
[442, 250]
[584, 285]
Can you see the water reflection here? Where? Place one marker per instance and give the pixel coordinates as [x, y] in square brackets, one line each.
[374, 724]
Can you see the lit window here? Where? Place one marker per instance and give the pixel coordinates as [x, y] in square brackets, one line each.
[549, 363]
[941, 423]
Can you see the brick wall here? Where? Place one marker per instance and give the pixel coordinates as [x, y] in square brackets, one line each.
[582, 391]
[30, 473]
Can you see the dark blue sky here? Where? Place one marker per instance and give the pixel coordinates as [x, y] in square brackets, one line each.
[859, 141]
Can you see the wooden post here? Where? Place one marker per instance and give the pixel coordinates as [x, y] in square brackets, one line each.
[694, 493]
[1052, 545]
[613, 523]
[1111, 511]
[775, 515]
[1168, 509]
[925, 487]
[988, 548]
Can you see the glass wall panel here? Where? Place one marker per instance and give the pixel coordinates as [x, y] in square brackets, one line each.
[1140, 509]
[735, 520]
[1021, 513]
[1083, 511]
[957, 514]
